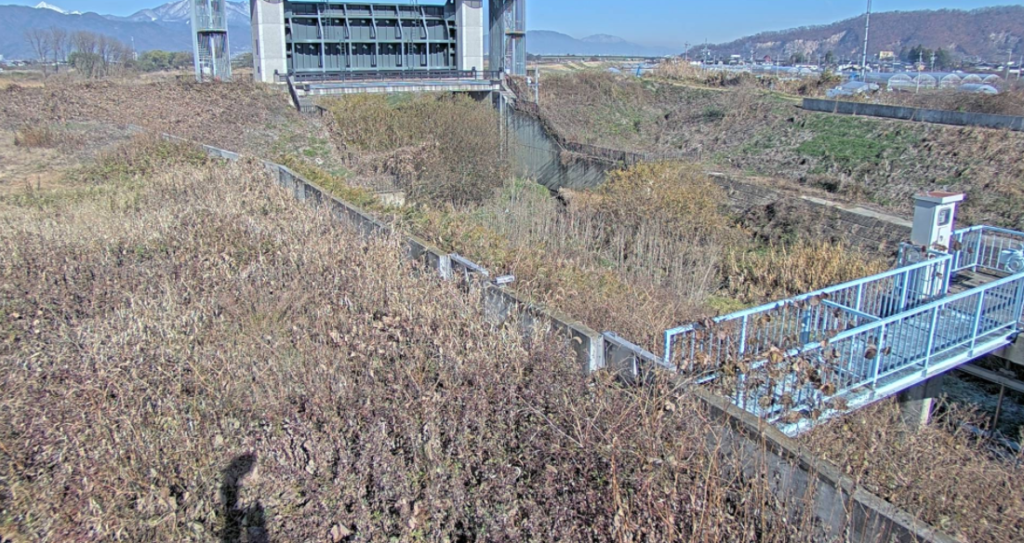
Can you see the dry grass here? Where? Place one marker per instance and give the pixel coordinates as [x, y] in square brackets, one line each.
[757, 132]
[439, 149]
[777, 272]
[239, 115]
[35, 136]
[942, 473]
[182, 367]
[1008, 102]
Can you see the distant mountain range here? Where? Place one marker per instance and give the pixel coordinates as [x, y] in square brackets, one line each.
[165, 27]
[178, 12]
[547, 42]
[985, 33]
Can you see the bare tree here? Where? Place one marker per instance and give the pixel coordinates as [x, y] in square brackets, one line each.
[39, 40]
[85, 55]
[59, 45]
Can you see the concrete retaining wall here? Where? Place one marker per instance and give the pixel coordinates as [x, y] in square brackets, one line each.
[840, 508]
[558, 164]
[937, 116]
[776, 214]
[500, 303]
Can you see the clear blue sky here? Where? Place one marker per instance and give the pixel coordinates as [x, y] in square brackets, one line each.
[650, 22]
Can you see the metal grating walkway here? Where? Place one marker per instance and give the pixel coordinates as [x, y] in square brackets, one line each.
[801, 361]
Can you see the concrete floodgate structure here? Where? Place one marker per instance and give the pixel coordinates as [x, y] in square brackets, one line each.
[338, 39]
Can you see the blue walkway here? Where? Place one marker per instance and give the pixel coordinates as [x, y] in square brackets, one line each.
[804, 360]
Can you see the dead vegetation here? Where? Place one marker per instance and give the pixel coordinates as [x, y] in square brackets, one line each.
[243, 332]
[183, 367]
[1009, 102]
[437, 148]
[239, 115]
[754, 131]
[944, 474]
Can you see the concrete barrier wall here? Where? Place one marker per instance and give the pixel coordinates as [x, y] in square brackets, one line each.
[773, 213]
[500, 303]
[937, 116]
[539, 155]
[843, 510]
[797, 476]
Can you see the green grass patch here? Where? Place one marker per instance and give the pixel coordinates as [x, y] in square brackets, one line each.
[849, 142]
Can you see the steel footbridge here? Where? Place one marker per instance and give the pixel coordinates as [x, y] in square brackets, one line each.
[801, 361]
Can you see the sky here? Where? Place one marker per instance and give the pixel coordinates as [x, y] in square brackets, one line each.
[670, 23]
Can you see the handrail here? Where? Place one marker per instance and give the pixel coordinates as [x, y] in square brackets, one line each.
[983, 247]
[879, 295]
[864, 356]
[394, 75]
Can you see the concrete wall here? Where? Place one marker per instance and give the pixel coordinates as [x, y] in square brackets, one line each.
[469, 18]
[842, 511]
[771, 212]
[538, 156]
[937, 116]
[775, 214]
[268, 40]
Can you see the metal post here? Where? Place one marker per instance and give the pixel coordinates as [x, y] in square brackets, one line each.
[999, 407]
[878, 358]
[931, 339]
[977, 318]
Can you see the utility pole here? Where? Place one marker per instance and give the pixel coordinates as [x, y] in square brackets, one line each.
[867, 30]
[686, 52]
[1009, 59]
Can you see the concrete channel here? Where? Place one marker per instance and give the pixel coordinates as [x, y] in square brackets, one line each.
[799, 478]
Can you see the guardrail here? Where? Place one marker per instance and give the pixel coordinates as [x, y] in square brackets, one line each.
[394, 75]
[882, 357]
[705, 348]
[988, 248]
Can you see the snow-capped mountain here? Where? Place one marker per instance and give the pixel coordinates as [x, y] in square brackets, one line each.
[178, 12]
[51, 7]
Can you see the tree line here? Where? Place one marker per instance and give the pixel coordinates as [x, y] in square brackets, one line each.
[95, 55]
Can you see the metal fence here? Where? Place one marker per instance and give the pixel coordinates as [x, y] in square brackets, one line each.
[705, 348]
[797, 361]
[393, 75]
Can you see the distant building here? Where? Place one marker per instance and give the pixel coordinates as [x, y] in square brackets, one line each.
[294, 37]
[886, 55]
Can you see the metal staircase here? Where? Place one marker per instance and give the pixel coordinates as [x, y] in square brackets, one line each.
[798, 362]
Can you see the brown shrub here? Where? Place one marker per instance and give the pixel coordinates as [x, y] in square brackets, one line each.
[441, 149]
[942, 473]
[35, 136]
[217, 360]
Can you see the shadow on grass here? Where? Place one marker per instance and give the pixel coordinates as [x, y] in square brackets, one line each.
[250, 518]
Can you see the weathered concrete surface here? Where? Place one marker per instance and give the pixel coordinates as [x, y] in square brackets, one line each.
[1014, 353]
[842, 511]
[937, 116]
[538, 156]
[916, 403]
[776, 214]
[846, 511]
[772, 213]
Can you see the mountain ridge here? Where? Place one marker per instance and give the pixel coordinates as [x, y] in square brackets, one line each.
[985, 33]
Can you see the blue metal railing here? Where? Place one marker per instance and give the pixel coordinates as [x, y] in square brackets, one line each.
[706, 347]
[985, 247]
[796, 361]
